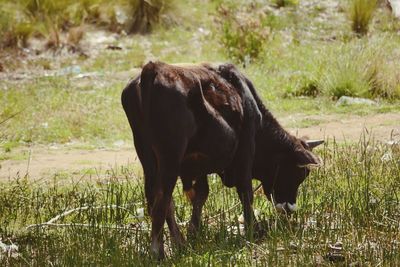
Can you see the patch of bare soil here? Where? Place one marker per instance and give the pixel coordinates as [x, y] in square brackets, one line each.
[45, 162]
[41, 162]
[381, 127]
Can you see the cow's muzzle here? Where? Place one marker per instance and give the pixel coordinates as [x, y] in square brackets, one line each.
[286, 207]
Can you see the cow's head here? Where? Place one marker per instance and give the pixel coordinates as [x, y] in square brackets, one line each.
[289, 171]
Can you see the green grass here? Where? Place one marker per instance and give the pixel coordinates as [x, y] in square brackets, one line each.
[54, 110]
[353, 199]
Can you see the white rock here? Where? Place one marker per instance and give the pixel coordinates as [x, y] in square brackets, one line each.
[347, 100]
[140, 213]
[387, 157]
[395, 4]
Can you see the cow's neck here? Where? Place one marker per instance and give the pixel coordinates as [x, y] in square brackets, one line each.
[273, 135]
[272, 141]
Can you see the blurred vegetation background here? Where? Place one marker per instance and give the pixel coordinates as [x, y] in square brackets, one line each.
[306, 54]
[356, 37]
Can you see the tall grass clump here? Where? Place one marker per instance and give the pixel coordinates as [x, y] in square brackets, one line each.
[145, 15]
[361, 68]
[361, 14]
[15, 27]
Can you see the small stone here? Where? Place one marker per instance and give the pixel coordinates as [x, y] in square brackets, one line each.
[140, 213]
[387, 157]
[337, 246]
[395, 5]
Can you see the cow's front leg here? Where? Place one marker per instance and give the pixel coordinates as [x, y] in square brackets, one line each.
[245, 192]
[197, 194]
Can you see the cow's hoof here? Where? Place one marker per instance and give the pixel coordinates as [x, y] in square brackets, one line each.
[192, 231]
[157, 252]
[158, 256]
[177, 239]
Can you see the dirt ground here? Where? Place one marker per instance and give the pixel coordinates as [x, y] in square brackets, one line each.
[382, 127]
[45, 162]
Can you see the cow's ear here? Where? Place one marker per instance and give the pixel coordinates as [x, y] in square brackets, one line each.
[306, 158]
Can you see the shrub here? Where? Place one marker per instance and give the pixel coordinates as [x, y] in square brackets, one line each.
[241, 42]
[243, 34]
[361, 13]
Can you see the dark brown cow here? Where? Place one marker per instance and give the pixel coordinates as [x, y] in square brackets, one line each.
[197, 120]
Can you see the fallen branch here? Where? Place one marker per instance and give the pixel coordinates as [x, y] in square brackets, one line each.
[51, 222]
[113, 227]
[68, 212]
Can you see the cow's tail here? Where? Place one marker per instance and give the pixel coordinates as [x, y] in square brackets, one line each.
[130, 100]
[147, 77]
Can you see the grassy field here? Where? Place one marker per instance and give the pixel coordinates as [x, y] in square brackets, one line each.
[302, 56]
[349, 215]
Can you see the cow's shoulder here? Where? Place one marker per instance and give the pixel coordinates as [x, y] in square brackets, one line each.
[249, 96]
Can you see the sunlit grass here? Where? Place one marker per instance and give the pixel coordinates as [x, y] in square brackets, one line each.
[349, 210]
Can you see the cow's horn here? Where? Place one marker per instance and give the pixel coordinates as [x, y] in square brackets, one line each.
[314, 143]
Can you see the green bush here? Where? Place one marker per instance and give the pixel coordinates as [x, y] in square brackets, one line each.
[241, 42]
[243, 33]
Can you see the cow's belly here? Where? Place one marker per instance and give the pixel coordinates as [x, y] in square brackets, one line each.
[210, 152]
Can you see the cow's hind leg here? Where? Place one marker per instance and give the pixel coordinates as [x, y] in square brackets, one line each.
[162, 209]
[197, 194]
[176, 235]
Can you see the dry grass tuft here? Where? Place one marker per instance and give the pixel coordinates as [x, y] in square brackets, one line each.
[361, 14]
